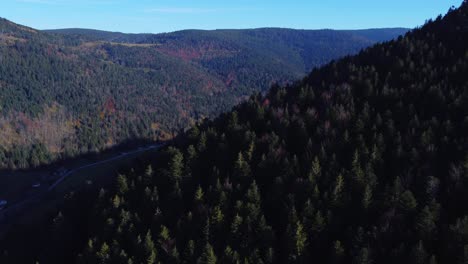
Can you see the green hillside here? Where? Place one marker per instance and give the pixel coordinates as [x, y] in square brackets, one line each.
[72, 92]
[365, 160]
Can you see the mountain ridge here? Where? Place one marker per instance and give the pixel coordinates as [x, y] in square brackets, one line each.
[86, 31]
[364, 160]
[97, 91]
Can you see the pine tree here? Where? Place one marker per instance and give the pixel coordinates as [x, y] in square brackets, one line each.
[236, 223]
[233, 121]
[217, 216]
[318, 223]
[316, 169]
[150, 249]
[364, 257]
[148, 174]
[300, 239]
[241, 167]
[250, 150]
[122, 185]
[338, 189]
[104, 253]
[208, 256]
[253, 201]
[164, 235]
[358, 173]
[425, 223]
[367, 197]
[191, 159]
[176, 165]
[338, 252]
[206, 231]
[407, 201]
[201, 146]
[189, 252]
[419, 254]
[175, 256]
[116, 201]
[230, 255]
[199, 194]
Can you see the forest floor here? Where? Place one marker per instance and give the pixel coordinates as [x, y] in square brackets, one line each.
[27, 203]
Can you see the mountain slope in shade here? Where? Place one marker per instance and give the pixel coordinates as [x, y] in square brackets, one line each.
[75, 91]
[363, 161]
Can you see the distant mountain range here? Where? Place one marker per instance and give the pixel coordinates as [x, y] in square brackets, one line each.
[71, 91]
[364, 161]
[270, 43]
[376, 34]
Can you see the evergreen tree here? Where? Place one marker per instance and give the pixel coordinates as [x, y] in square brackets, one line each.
[189, 252]
[122, 185]
[367, 197]
[407, 201]
[241, 167]
[208, 256]
[199, 194]
[300, 239]
[103, 255]
[419, 254]
[150, 249]
[176, 165]
[338, 252]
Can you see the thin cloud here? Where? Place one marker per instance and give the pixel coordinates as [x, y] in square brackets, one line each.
[194, 10]
[181, 10]
[47, 2]
[65, 2]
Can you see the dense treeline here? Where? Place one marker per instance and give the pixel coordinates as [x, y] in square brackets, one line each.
[363, 161]
[72, 102]
[72, 93]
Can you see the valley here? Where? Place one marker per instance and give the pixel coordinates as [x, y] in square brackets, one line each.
[28, 192]
[66, 93]
[263, 145]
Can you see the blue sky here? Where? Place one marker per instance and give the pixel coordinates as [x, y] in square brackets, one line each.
[153, 16]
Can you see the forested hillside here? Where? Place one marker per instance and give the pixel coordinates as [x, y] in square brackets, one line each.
[65, 94]
[363, 161]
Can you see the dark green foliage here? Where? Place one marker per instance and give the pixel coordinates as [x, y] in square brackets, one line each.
[363, 161]
[71, 92]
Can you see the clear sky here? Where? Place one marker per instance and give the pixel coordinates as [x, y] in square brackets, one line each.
[153, 16]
